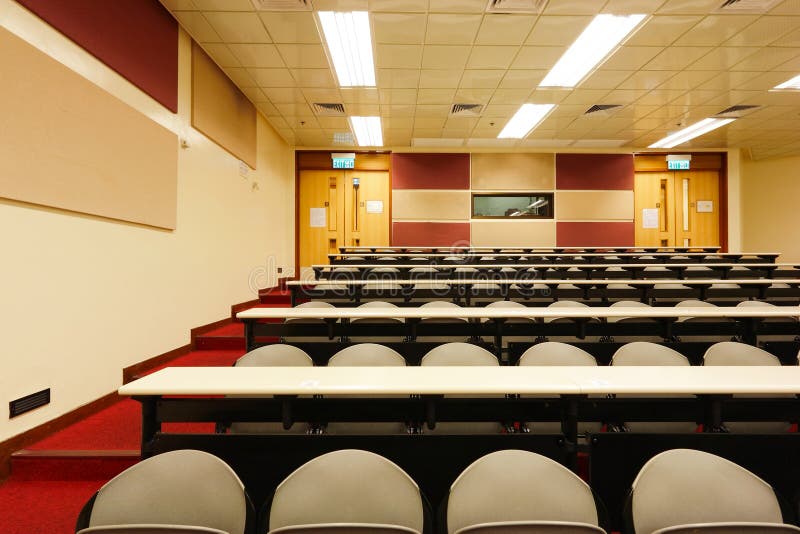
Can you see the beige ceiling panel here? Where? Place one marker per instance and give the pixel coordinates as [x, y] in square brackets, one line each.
[457, 6]
[503, 29]
[538, 57]
[238, 27]
[399, 28]
[663, 30]
[360, 95]
[688, 79]
[432, 110]
[647, 79]
[764, 31]
[722, 58]
[793, 65]
[491, 57]
[631, 57]
[688, 6]
[398, 96]
[467, 123]
[363, 110]
[764, 82]
[623, 96]
[313, 77]
[473, 96]
[521, 78]
[510, 96]
[298, 109]
[427, 132]
[520, 172]
[573, 7]
[330, 123]
[452, 28]
[284, 95]
[626, 7]
[500, 110]
[557, 30]
[694, 98]
[605, 79]
[223, 5]
[766, 59]
[272, 77]
[303, 56]
[675, 58]
[398, 78]
[257, 55]
[398, 110]
[456, 133]
[586, 97]
[430, 205]
[439, 78]
[521, 233]
[278, 122]
[291, 27]
[267, 109]
[197, 26]
[790, 39]
[445, 57]
[341, 5]
[481, 79]
[398, 5]
[399, 56]
[398, 123]
[322, 95]
[548, 96]
[714, 30]
[660, 96]
[490, 132]
[255, 94]
[435, 96]
[179, 5]
[241, 77]
[221, 55]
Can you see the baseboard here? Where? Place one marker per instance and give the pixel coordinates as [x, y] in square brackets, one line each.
[29, 437]
[236, 308]
[131, 372]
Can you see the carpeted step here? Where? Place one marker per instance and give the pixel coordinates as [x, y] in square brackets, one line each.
[275, 296]
[228, 337]
[29, 465]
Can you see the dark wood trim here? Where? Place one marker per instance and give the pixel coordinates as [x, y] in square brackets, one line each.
[296, 213]
[723, 204]
[135, 370]
[132, 453]
[37, 433]
[236, 308]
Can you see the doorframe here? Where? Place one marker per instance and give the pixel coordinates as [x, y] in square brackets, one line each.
[371, 160]
[723, 183]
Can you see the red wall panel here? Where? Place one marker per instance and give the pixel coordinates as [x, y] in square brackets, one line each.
[594, 234]
[594, 171]
[434, 234]
[136, 38]
[430, 171]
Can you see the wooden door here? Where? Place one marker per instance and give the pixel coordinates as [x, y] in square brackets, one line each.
[366, 209]
[654, 209]
[697, 205]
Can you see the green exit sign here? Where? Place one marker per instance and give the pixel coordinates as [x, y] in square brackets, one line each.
[678, 165]
[344, 163]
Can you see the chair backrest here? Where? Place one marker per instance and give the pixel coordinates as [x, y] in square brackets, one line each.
[459, 354]
[532, 527]
[367, 354]
[730, 528]
[347, 486]
[627, 304]
[556, 353]
[443, 304]
[343, 528]
[311, 304]
[518, 486]
[564, 304]
[277, 355]
[734, 353]
[149, 529]
[684, 486]
[183, 487]
[378, 304]
[646, 353]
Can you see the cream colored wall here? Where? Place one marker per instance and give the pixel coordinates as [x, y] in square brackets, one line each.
[84, 297]
[770, 196]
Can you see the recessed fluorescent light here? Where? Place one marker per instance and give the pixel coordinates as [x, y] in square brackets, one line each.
[348, 38]
[524, 120]
[599, 38]
[695, 130]
[367, 130]
[794, 83]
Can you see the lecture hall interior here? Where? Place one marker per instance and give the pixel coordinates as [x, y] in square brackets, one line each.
[400, 266]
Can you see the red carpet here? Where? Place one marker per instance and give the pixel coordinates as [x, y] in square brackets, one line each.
[43, 507]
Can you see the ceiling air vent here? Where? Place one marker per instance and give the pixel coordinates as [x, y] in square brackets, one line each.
[747, 6]
[735, 111]
[515, 6]
[601, 107]
[282, 5]
[329, 109]
[466, 110]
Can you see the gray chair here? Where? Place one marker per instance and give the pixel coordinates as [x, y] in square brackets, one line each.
[739, 354]
[347, 491]
[367, 355]
[377, 321]
[442, 304]
[520, 491]
[633, 304]
[184, 489]
[277, 355]
[692, 303]
[312, 304]
[684, 490]
[646, 354]
[462, 354]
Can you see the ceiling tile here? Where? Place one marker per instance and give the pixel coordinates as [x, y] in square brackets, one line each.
[223, 5]
[179, 5]
[360, 95]
[557, 30]
[491, 57]
[790, 39]
[473, 96]
[304, 56]
[439, 78]
[764, 31]
[398, 96]
[341, 5]
[399, 28]
[766, 59]
[628, 7]
[221, 54]
[267, 108]
[429, 122]
[510, 96]
[198, 27]
[722, 58]
[538, 57]
[297, 109]
[461, 122]
[548, 96]
[688, 6]
[435, 96]
[236, 27]
[427, 132]
[278, 122]
[398, 78]
[481, 79]
[363, 110]
[503, 29]
[457, 6]
[585, 96]
[713, 30]
[322, 95]
[500, 110]
[647, 79]
[272, 77]
[521, 78]
[445, 57]
[398, 110]
[313, 77]
[398, 56]
[659, 96]
[291, 27]
[452, 28]
[605, 79]
[398, 5]
[284, 95]
[623, 96]
[631, 57]
[677, 57]
[398, 123]
[240, 77]
[788, 7]
[257, 55]
[255, 94]
[573, 7]
[433, 110]
[688, 79]
[663, 30]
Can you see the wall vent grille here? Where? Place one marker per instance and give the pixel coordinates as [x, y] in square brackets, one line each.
[29, 402]
[515, 6]
[282, 5]
[329, 108]
[466, 110]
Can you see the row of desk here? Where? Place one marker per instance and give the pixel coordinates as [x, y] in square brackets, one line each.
[517, 258]
[520, 250]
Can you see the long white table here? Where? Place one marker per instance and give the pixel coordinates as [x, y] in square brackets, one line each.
[533, 257]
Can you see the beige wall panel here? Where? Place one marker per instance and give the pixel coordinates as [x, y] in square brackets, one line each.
[430, 205]
[594, 205]
[220, 110]
[514, 233]
[770, 191]
[524, 172]
[67, 143]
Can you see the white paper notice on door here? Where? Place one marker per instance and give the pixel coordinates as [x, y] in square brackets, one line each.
[705, 206]
[318, 217]
[374, 206]
[650, 218]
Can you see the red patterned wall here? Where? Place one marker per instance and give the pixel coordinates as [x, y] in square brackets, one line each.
[594, 171]
[434, 234]
[430, 171]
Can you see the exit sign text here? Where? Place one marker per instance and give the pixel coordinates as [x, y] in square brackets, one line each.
[344, 163]
[678, 165]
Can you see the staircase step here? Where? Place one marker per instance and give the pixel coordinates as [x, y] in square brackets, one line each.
[229, 337]
[28, 465]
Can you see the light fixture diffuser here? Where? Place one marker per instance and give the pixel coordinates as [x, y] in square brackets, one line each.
[524, 120]
[367, 130]
[695, 130]
[350, 46]
[794, 83]
[599, 38]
